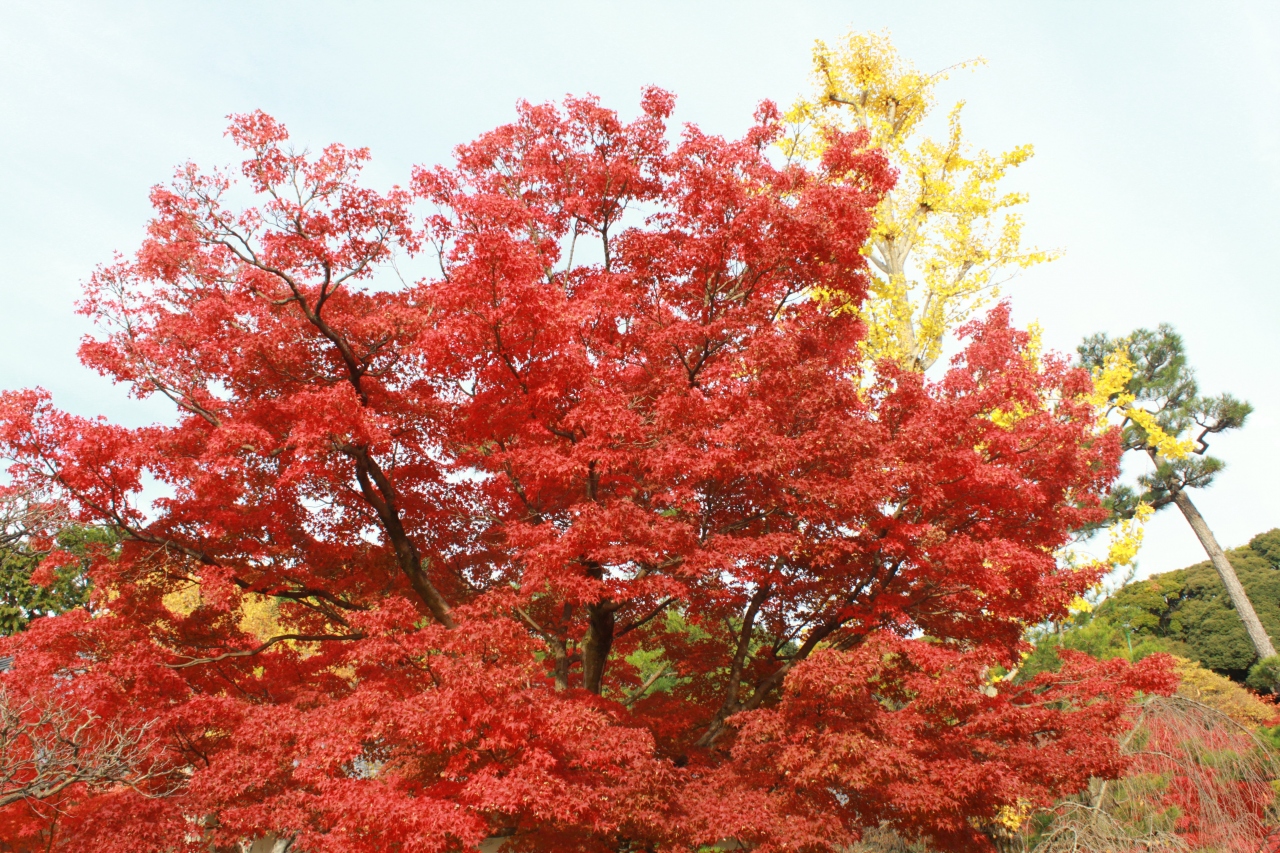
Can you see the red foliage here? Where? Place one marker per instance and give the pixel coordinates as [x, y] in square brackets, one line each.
[617, 421]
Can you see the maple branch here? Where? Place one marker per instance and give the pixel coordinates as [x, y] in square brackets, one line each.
[380, 493]
[771, 681]
[563, 433]
[21, 516]
[184, 401]
[204, 558]
[535, 513]
[302, 638]
[542, 632]
[45, 748]
[631, 626]
[300, 594]
[115, 518]
[559, 648]
[731, 702]
[244, 252]
[644, 688]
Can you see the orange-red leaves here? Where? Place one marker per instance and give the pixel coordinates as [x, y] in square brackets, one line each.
[600, 536]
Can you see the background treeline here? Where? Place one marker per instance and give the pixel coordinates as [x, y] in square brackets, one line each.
[1185, 613]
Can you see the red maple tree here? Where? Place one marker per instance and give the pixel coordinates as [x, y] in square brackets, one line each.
[602, 537]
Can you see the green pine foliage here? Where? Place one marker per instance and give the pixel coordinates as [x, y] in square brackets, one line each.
[21, 600]
[1184, 612]
[1163, 385]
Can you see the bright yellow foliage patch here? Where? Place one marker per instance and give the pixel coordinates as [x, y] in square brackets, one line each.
[1126, 537]
[184, 601]
[1080, 604]
[1111, 384]
[259, 614]
[1013, 817]
[946, 236]
[1008, 419]
[1167, 446]
[1111, 396]
[260, 617]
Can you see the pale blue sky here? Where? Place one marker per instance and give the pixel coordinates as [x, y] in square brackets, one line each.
[1156, 125]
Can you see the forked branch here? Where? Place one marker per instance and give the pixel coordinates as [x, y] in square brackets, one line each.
[46, 748]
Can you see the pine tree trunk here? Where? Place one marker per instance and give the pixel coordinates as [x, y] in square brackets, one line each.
[1252, 625]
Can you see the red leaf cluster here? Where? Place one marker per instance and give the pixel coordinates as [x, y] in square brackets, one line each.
[600, 538]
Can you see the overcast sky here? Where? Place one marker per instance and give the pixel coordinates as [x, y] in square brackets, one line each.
[1156, 126]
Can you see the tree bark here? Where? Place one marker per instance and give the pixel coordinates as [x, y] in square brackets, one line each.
[596, 645]
[1239, 599]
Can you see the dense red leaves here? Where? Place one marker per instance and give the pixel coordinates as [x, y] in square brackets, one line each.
[896, 729]
[600, 538]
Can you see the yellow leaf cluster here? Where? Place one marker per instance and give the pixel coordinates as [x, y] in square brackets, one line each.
[1111, 395]
[1013, 817]
[1111, 384]
[1008, 419]
[184, 601]
[1124, 540]
[1166, 445]
[946, 236]
[1125, 537]
[259, 614]
[1080, 604]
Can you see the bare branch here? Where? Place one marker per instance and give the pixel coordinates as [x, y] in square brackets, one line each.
[46, 748]
[302, 638]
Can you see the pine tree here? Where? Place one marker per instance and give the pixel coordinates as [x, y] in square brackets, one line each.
[1153, 390]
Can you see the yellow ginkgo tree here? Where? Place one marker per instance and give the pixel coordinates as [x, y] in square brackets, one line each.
[947, 235]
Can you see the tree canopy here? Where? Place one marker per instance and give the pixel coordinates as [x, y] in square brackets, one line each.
[1146, 381]
[602, 537]
[1149, 384]
[28, 589]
